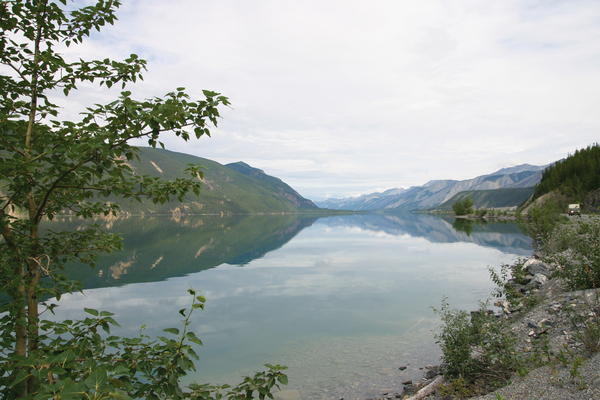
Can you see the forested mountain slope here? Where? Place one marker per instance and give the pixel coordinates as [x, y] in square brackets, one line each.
[284, 189]
[574, 176]
[224, 190]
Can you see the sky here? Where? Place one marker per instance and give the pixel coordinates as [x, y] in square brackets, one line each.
[343, 98]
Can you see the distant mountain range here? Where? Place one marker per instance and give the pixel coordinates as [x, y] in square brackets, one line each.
[238, 188]
[235, 188]
[437, 192]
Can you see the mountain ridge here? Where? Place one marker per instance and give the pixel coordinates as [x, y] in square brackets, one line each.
[224, 190]
[284, 189]
[436, 192]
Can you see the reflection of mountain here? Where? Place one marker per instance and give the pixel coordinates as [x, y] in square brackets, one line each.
[505, 237]
[158, 248]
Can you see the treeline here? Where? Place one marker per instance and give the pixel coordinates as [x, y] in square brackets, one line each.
[574, 176]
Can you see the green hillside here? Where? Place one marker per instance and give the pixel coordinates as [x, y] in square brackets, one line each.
[224, 190]
[574, 176]
[283, 188]
[496, 198]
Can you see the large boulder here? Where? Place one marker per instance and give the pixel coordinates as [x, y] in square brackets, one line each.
[591, 203]
[533, 267]
[538, 281]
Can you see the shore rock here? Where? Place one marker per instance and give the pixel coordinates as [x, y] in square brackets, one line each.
[534, 266]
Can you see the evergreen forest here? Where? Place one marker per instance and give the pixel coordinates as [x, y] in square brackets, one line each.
[573, 176]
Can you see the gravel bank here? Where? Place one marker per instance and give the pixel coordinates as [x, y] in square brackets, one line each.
[546, 384]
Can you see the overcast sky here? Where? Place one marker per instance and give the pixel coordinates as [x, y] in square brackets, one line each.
[342, 98]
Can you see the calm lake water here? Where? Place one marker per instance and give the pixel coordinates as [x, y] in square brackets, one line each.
[343, 301]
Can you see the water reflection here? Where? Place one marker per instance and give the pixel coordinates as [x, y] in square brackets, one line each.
[158, 248]
[340, 300]
[463, 225]
[504, 236]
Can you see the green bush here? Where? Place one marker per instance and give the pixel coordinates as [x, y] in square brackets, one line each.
[482, 212]
[540, 222]
[475, 347]
[508, 272]
[577, 252]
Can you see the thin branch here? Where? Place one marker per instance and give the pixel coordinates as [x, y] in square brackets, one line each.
[39, 263]
[8, 203]
[18, 151]
[54, 185]
[18, 71]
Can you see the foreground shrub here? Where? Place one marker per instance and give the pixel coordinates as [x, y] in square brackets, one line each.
[579, 259]
[478, 350]
[541, 222]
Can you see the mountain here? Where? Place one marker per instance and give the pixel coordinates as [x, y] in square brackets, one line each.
[284, 189]
[436, 192]
[519, 168]
[496, 198]
[237, 190]
[363, 202]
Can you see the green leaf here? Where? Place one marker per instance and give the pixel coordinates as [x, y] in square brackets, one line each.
[22, 375]
[61, 358]
[174, 331]
[192, 338]
[120, 370]
[74, 391]
[91, 311]
[283, 379]
[98, 378]
[120, 395]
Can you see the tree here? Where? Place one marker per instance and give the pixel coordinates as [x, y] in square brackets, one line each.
[573, 176]
[48, 166]
[463, 206]
[540, 223]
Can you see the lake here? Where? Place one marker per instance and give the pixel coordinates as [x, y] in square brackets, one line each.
[343, 301]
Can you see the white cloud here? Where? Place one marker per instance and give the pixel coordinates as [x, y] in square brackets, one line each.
[341, 97]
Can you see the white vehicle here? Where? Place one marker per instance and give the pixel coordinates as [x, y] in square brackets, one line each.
[574, 209]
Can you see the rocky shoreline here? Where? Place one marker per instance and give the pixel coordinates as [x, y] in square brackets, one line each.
[553, 316]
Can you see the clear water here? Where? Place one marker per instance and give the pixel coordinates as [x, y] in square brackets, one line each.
[342, 301]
